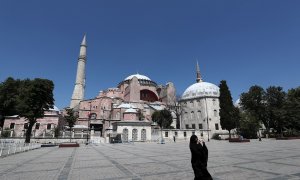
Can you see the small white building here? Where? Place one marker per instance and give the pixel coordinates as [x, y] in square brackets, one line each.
[200, 108]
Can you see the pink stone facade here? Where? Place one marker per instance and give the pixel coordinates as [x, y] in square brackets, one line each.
[44, 127]
[133, 100]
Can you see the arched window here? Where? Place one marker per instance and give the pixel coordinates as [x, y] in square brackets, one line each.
[192, 103]
[192, 115]
[118, 115]
[93, 116]
[199, 114]
[134, 135]
[215, 113]
[125, 135]
[143, 135]
[199, 103]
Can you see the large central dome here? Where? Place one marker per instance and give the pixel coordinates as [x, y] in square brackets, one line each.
[201, 89]
[139, 76]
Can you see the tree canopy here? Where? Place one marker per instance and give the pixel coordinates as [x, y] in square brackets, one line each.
[254, 102]
[27, 98]
[275, 99]
[274, 107]
[9, 91]
[71, 117]
[292, 109]
[229, 115]
[163, 118]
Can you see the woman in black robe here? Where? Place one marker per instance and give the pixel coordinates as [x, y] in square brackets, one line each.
[199, 158]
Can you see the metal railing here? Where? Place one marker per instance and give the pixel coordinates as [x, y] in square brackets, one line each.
[9, 147]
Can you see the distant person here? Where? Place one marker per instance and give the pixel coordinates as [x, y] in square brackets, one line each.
[241, 137]
[174, 138]
[199, 158]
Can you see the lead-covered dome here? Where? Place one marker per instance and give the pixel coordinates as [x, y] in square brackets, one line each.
[138, 76]
[54, 108]
[201, 89]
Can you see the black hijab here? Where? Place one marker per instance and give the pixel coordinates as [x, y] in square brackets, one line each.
[193, 139]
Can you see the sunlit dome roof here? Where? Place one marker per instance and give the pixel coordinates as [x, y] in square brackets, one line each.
[237, 103]
[201, 89]
[130, 110]
[54, 108]
[126, 106]
[139, 76]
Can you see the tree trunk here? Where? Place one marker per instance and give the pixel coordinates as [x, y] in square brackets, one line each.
[161, 135]
[229, 134]
[70, 134]
[177, 122]
[28, 132]
[267, 133]
[2, 119]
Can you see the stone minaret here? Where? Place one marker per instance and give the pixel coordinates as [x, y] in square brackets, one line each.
[78, 93]
[199, 78]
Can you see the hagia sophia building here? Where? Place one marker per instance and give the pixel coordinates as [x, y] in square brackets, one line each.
[123, 113]
[127, 108]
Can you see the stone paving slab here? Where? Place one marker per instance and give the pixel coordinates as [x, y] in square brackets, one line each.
[269, 160]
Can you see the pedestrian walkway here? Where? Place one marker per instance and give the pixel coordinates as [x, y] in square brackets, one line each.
[269, 159]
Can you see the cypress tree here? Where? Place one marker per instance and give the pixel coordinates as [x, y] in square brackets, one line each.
[227, 110]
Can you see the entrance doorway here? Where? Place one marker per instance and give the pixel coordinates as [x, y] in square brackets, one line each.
[98, 128]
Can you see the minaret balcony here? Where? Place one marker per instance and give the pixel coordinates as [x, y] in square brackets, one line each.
[82, 57]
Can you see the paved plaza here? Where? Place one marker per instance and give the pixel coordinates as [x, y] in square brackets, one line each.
[269, 159]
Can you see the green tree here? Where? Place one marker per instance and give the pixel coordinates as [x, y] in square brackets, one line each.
[254, 102]
[163, 118]
[35, 97]
[292, 109]
[229, 115]
[71, 119]
[249, 125]
[275, 99]
[9, 90]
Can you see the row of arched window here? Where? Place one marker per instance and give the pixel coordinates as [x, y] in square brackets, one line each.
[197, 103]
[134, 135]
[197, 115]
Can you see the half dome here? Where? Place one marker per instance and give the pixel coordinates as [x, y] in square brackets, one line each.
[201, 89]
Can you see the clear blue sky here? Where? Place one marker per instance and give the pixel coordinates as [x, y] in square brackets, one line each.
[243, 42]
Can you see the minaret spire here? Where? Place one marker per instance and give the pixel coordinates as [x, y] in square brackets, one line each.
[199, 78]
[83, 43]
[78, 93]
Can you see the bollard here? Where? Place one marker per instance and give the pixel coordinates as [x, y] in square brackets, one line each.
[15, 148]
[8, 149]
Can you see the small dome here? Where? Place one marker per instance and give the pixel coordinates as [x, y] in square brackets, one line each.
[130, 110]
[126, 106]
[201, 89]
[54, 108]
[139, 76]
[237, 103]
